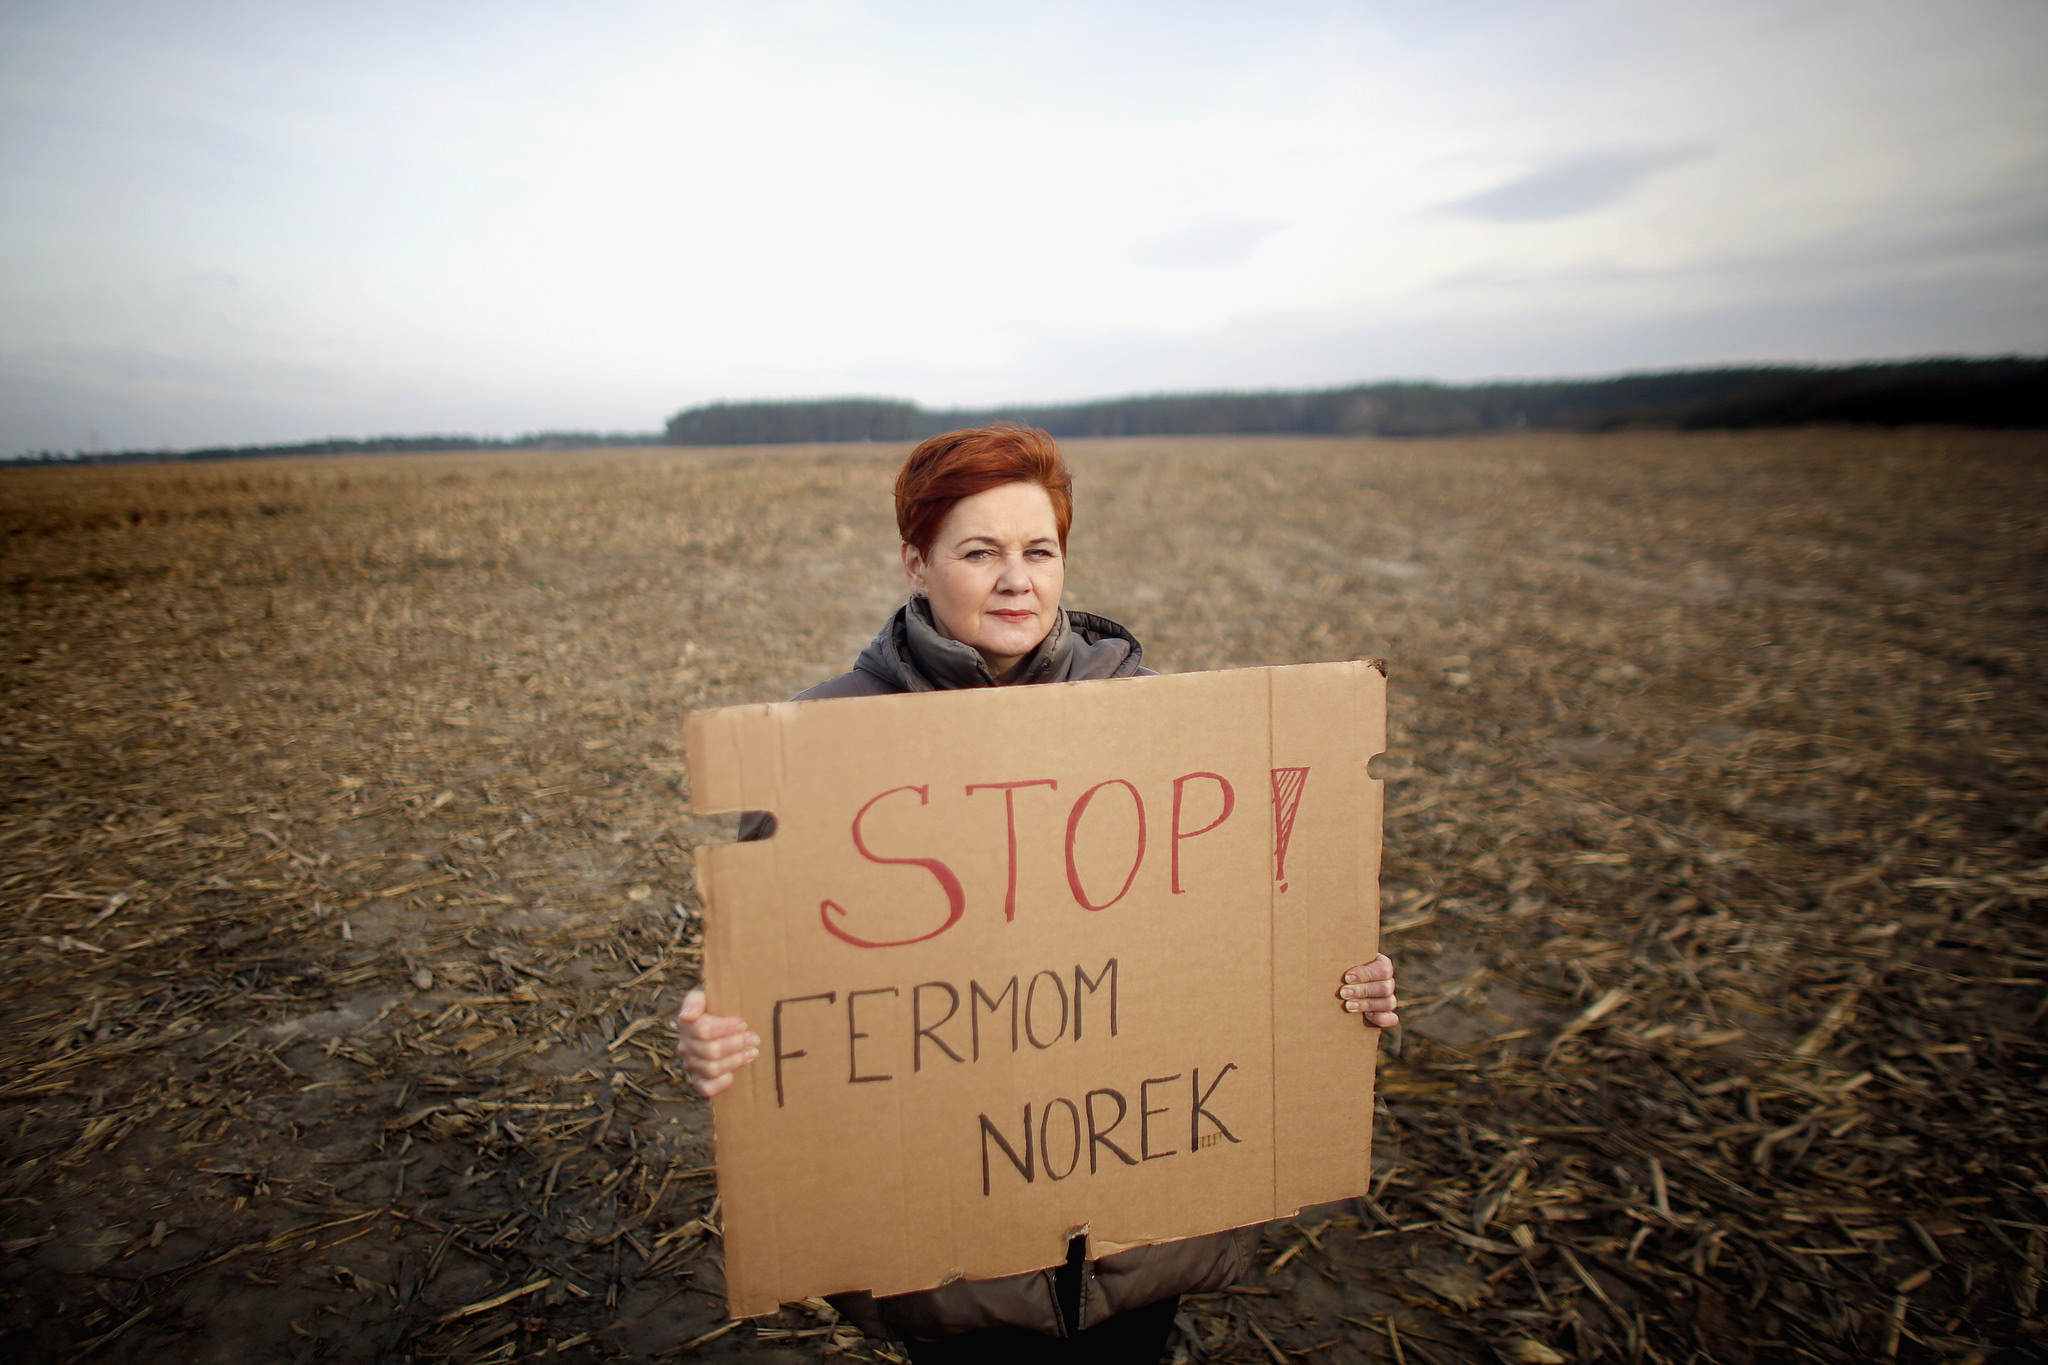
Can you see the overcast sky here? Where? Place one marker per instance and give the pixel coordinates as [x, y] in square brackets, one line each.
[266, 221]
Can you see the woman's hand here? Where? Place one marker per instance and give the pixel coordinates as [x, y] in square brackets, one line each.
[1369, 990]
[712, 1046]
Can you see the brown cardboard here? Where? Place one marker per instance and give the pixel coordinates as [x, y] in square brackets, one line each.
[990, 836]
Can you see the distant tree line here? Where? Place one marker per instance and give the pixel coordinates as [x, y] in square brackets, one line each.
[2010, 391]
[375, 445]
[2007, 392]
[776, 423]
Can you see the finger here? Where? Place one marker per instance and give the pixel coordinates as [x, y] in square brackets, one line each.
[1380, 968]
[1386, 1005]
[1387, 1020]
[707, 1029]
[713, 1049]
[710, 1077]
[687, 1010]
[716, 1026]
[719, 1066]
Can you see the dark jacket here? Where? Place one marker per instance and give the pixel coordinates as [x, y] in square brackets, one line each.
[909, 655]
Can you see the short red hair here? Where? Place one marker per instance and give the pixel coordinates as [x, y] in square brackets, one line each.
[959, 464]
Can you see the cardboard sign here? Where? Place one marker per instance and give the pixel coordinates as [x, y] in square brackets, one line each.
[1032, 962]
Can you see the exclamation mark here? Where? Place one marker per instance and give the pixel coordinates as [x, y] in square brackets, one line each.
[1287, 785]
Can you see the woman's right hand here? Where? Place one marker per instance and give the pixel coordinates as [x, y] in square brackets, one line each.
[712, 1046]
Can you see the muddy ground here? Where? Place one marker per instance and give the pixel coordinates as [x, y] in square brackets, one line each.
[344, 855]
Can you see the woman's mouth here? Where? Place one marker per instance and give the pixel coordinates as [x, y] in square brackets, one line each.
[1015, 617]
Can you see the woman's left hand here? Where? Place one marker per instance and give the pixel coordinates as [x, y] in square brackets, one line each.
[1369, 990]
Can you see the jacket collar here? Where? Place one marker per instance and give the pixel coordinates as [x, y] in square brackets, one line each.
[910, 653]
[946, 663]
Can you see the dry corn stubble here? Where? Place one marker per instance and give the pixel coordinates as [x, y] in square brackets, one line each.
[345, 853]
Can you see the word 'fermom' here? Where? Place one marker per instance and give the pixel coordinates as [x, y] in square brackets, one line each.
[1288, 784]
[928, 1028]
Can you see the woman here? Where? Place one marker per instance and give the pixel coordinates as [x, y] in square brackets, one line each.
[984, 517]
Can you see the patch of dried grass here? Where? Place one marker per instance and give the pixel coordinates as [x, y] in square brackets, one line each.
[345, 855]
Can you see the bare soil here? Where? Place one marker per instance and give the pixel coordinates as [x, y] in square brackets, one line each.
[344, 862]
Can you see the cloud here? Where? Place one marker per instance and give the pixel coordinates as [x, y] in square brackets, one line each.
[1841, 297]
[1579, 184]
[1309, 193]
[1212, 243]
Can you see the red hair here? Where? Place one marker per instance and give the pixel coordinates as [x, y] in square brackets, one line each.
[959, 464]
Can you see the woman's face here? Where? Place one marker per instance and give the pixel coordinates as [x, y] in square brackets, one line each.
[995, 574]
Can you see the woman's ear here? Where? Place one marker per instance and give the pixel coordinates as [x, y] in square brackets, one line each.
[913, 569]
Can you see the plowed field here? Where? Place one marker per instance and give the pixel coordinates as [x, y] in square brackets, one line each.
[344, 862]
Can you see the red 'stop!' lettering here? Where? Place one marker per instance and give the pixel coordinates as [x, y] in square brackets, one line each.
[1073, 829]
[1287, 788]
[1229, 804]
[1009, 791]
[956, 897]
[1288, 784]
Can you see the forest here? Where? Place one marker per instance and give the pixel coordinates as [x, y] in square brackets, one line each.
[2006, 392]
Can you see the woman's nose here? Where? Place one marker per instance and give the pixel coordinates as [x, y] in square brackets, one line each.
[1015, 576]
